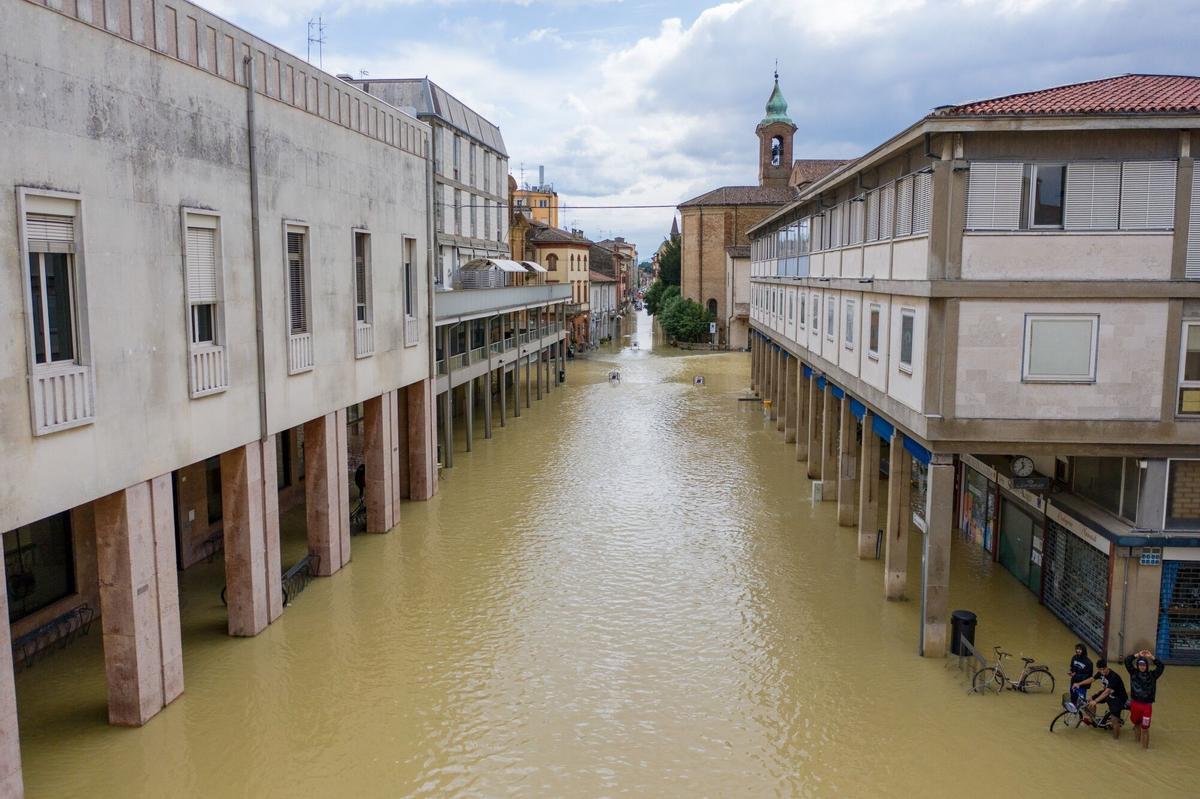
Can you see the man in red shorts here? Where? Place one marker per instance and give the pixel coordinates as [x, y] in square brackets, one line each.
[1142, 685]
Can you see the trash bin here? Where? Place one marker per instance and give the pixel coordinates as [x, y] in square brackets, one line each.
[962, 625]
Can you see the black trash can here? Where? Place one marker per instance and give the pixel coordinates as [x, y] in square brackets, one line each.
[962, 625]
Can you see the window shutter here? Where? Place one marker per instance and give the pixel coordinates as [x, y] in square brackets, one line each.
[857, 211]
[1093, 196]
[904, 197]
[887, 210]
[201, 265]
[873, 215]
[922, 196]
[994, 196]
[50, 233]
[1147, 195]
[297, 302]
[1192, 268]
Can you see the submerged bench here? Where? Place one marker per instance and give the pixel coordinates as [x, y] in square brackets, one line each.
[54, 634]
[294, 580]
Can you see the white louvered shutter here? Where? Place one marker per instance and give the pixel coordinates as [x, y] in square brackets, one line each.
[873, 216]
[856, 222]
[1147, 195]
[904, 198]
[1093, 196]
[922, 202]
[201, 265]
[297, 302]
[50, 233]
[887, 210]
[1192, 269]
[994, 195]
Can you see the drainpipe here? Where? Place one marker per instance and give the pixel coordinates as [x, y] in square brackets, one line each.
[1124, 606]
[429, 251]
[255, 245]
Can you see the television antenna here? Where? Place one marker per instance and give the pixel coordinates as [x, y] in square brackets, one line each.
[316, 35]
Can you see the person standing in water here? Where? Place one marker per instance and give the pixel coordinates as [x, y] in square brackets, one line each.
[1079, 670]
[1143, 683]
[1113, 693]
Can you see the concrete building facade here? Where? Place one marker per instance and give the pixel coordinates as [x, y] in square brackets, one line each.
[216, 254]
[1006, 294]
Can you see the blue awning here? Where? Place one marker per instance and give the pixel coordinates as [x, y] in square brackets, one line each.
[808, 371]
[858, 409]
[837, 391]
[916, 450]
[821, 382]
[883, 427]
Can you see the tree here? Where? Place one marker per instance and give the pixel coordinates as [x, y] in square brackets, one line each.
[657, 296]
[668, 262]
[685, 320]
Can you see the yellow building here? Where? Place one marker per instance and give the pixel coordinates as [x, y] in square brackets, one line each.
[540, 200]
[566, 256]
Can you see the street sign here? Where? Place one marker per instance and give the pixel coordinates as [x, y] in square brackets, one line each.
[1040, 483]
[712, 327]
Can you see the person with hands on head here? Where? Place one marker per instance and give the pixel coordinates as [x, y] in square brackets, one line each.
[1112, 692]
[1142, 685]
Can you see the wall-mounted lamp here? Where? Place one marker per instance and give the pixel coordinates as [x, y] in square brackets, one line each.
[866, 280]
[926, 170]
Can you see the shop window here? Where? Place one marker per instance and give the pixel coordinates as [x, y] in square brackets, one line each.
[1112, 483]
[39, 564]
[1183, 496]
[1060, 349]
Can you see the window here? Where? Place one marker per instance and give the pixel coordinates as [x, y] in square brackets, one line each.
[487, 218]
[362, 277]
[457, 156]
[543, 203]
[410, 279]
[487, 171]
[830, 318]
[552, 263]
[1189, 369]
[40, 563]
[50, 242]
[297, 268]
[472, 146]
[904, 198]
[203, 299]
[473, 213]
[849, 334]
[1060, 348]
[1147, 195]
[1046, 185]
[887, 210]
[1183, 495]
[908, 323]
[1093, 196]
[873, 330]
[816, 314]
[803, 320]
[872, 231]
[922, 201]
[458, 225]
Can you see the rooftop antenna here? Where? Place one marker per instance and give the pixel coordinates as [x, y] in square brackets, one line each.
[316, 35]
[362, 73]
[523, 175]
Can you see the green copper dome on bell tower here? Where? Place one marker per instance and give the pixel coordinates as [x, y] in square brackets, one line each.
[777, 106]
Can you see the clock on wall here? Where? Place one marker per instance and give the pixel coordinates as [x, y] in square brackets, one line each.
[1021, 466]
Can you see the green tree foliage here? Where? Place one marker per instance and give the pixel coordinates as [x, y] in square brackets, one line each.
[684, 320]
[657, 294]
[668, 262]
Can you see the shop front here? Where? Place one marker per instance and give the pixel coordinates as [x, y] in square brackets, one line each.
[1179, 607]
[1020, 543]
[1075, 578]
[977, 508]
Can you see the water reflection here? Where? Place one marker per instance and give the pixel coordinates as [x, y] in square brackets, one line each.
[625, 591]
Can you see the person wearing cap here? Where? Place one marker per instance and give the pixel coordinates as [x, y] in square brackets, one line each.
[1112, 692]
[1142, 685]
[1079, 670]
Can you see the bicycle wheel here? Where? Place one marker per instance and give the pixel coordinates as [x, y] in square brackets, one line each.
[1038, 680]
[1067, 720]
[987, 680]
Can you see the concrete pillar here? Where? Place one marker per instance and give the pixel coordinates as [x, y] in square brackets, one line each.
[11, 782]
[830, 418]
[899, 519]
[381, 455]
[790, 408]
[528, 381]
[935, 558]
[781, 390]
[516, 385]
[250, 517]
[139, 600]
[327, 491]
[755, 351]
[802, 420]
[503, 397]
[538, 361]
[487, 404]
[847, 490]
[447, 413]
[815, 414]
[868, 491]
[469, 412]
[421, 439]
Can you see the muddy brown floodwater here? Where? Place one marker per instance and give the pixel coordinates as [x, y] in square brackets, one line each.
[626, 592]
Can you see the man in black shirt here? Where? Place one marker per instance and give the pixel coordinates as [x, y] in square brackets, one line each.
[1112, 691]
[1079, 670]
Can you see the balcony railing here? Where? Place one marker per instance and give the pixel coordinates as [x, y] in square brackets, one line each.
[412, 332]
[364, 340]
[63, 397]
[441, 366]
[209, 370]
[300, 353]
[459, 361]
[497, 346]
[478, 354]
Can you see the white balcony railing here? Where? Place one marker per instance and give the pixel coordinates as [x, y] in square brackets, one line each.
[458, 361]
[364, 339]
[300, 353]
[478, 354]
[63, 396]
[412, 332]
[209, 370]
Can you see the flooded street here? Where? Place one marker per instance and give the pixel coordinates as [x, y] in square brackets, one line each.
[625, 591]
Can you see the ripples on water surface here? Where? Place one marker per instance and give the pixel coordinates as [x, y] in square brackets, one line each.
[626, 591]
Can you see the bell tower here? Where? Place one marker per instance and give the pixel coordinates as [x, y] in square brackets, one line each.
[775, 134]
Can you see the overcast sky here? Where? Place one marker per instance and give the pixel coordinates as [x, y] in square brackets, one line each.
[655, 101]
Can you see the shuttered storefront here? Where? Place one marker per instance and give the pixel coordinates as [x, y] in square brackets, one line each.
[1179, 613]
[1075, 583]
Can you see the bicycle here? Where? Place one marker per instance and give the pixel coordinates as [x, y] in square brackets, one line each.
[1077, 714]
[992, 679]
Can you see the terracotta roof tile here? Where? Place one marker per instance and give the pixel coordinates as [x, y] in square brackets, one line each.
[744, 195]
[1125, 94]
[596, 277]
[810, 170]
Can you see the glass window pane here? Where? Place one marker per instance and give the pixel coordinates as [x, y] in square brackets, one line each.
[1099, 479]
[873, 344]
[1129, 496]
[1060, 348]
[1183, 496]
[40, 565]
[1048, 195]
[58, 306]
[906, 339]
[35, 289]
[1191, 358]
[202, 324]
